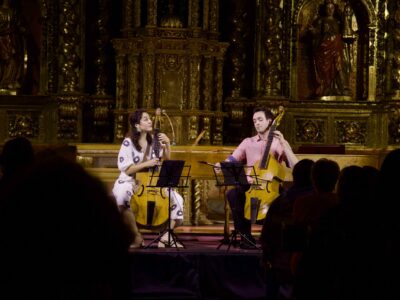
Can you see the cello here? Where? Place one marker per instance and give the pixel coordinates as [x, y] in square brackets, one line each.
[260, 195]
[148, 203]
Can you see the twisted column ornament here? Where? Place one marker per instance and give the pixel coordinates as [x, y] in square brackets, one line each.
[197, 186]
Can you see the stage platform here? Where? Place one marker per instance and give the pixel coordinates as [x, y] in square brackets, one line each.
[198, 271]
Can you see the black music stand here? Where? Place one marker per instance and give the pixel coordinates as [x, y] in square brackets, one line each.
[170, 176]
[233, 174]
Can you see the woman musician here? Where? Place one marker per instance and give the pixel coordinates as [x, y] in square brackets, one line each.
[137, 154]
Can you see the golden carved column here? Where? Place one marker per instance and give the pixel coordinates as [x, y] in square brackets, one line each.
[70, 32]
[197, 187]
[120, 104]
[101, 43]
[394, 66]
[206, 14]
[218, 82]
[97, 116]
[218, 116]
[127, 18]
[187, 209]
[208, 82]
[194, 17]
[381, 50]
[148, 76]
[133, 71]
[273, 40]
[372, 54]
[70, 103]
[194, 94]
[12, 49]
[121, 82]
[395, 18]
[50, 41]
[199, 206]
[237, 49]
[151, 17]
[213, 18]
[136, 12]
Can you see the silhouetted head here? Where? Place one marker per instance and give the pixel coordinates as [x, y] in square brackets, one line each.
[324, 174]
[391, 166]
[302, 173]
[372, 177]
[17, 153]
[352, 184]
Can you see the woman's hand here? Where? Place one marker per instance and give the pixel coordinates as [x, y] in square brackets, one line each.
[153, 162]
[164, 140]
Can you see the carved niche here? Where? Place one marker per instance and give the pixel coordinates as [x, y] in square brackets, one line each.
[352, 71]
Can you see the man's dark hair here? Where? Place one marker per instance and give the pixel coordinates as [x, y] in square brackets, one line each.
[267, 112]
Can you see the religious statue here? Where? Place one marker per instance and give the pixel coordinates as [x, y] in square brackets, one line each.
[11, 50]
[396, 50]
[329, 53]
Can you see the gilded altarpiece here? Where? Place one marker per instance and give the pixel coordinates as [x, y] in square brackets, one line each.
[356, 105]
[179, 76]
[206, 64]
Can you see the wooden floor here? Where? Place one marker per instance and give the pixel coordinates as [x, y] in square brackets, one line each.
[205, 268]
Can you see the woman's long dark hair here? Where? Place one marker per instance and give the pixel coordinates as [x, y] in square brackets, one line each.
[133, 133]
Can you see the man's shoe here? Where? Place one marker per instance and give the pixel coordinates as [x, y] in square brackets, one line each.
[248, 238]
[248, 246]
[248, 242]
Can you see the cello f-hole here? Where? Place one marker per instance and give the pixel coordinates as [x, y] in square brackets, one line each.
[141, 192]
[162, 194]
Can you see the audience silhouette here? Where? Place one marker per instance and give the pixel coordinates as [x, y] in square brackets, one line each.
[341, 262]
[275, 256]
[386, 207]
[324, 175]
[61, 235]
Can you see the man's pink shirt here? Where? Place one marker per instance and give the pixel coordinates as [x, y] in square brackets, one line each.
[251, 150]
